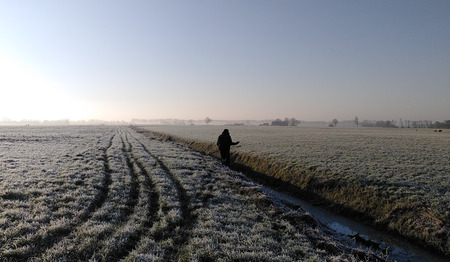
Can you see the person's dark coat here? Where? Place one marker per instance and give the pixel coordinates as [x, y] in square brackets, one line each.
[224, 143]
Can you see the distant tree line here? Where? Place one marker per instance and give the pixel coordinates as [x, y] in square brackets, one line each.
[285, 122]
[7, 121]
[445, 124]
[368, 123]
[405, 124]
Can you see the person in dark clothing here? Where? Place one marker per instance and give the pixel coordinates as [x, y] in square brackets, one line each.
[224, 143]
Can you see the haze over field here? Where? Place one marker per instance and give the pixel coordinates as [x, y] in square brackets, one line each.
[312, 60]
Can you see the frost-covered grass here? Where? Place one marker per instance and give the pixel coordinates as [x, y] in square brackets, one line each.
[398, 178]
[228, 218]
[113, 194]
[122, 197]
[50, 179]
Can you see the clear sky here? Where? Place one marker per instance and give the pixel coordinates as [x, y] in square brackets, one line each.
[237, 60]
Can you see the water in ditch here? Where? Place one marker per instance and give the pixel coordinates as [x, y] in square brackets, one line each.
[396, 248]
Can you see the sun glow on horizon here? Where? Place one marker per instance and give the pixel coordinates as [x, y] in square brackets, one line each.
[25, 93]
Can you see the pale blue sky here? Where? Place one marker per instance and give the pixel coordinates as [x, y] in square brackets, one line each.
[312, 60]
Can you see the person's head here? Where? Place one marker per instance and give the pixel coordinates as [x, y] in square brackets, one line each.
[225, 132]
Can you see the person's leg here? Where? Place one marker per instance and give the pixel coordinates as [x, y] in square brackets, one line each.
[227, 158]
[223, 155]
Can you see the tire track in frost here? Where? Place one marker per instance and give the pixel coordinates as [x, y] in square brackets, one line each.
[134, 190]
[151, 214]
[104, 188]
[49, 240]
[131, 202]
[187, 217]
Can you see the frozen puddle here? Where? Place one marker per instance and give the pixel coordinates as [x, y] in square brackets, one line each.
[397, 249]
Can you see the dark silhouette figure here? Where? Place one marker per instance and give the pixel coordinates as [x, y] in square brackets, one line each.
[224, 143]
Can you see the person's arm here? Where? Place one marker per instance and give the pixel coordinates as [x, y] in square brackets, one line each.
[234, 143]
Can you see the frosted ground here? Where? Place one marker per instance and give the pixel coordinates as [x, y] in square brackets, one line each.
[410, 156]
[112, 194]
[397, 178]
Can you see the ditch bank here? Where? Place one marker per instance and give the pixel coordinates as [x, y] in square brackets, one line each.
[347, 230]
[365, 203]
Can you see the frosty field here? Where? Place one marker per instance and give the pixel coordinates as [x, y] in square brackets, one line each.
[115, 194]
[397, 179]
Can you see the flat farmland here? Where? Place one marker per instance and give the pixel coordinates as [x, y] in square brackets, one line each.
[397, 179]
[100, 193]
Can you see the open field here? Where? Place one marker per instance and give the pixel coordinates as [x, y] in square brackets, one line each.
[114, 194]
[397, 179]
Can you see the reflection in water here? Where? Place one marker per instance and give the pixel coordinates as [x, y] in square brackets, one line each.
[397, 248]
[341, 228]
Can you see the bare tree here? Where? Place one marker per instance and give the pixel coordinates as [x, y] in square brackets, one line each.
[334, 122]
[356, 121]
[408, 123]
[393, 123]
[293, 122]
[208, 120]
